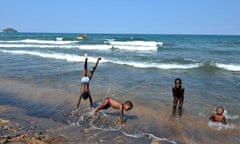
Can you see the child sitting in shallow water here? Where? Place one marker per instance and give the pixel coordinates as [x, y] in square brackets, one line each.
[219, 117]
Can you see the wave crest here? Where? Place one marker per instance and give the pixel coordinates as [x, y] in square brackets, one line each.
[229, 67]
[136, 45]
[138, 64]
[109, 44]
[36, 41]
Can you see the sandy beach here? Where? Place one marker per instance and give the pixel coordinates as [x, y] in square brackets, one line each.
[19, 128]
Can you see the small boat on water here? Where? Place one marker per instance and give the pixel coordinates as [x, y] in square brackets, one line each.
[82, 36]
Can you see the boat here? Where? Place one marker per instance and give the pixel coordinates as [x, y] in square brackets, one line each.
[82, 36]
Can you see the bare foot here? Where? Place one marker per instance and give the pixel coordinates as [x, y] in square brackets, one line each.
[86, 55]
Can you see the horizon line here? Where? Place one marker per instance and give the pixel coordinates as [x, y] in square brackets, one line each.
[129, 33]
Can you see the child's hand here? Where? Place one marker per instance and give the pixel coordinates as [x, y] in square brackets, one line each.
[122, 125]
[74, 112]
[92, 108]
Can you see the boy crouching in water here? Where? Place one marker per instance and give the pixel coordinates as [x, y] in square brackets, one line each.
[110, 102]
[219, 117]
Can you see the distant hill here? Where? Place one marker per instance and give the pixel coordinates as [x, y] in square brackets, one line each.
[9, 30]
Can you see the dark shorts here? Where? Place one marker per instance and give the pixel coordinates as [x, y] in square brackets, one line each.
[85, 95]
[179, 97]
[106, 106]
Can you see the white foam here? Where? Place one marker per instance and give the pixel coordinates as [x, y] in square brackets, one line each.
[139, 135]
[232, 117]
[136, 45]
[220, 126]
[60, 56]
[86, 47]
[229, 116]
[230, 67]
[30, 43]
[157, 65]
[35, 41]
[95, 47]
[107, 129]
[76, 58]
[136, 48]
[149, 135]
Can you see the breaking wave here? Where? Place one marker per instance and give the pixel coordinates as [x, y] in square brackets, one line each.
[108, 44]
[138, 64]
[76, 58]
[136, 45]
[229, 67]
[35, 41]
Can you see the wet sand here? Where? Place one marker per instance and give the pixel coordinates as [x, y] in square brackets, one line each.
[41, 113]
[18, 127]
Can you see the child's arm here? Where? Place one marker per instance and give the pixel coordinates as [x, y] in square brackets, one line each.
[99, 108]
[121, 115]
[211, 118]
[90, 100]
[224, 120]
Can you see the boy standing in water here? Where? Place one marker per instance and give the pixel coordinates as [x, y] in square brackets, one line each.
[219, 117]
[110, 102]
[84, 88]
[178, 96]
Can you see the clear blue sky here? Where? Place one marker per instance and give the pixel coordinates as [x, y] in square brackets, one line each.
[122, 16]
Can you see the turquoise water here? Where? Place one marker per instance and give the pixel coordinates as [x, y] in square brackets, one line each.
[140, 68]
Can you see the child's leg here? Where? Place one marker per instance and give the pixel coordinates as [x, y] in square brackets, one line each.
[180, 105]
[79, 100]
[175, 100]
[93, 69]
[102, 106]
[84, 72]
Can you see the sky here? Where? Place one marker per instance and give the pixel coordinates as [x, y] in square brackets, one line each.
[122, 16]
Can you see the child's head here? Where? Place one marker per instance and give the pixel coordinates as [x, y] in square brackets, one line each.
[219, 110]
[178, 82]
[128, 105]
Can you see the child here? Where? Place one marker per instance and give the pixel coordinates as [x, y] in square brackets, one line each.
[84, 88]
[110, 102]
[178, 96]
[219, 117]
